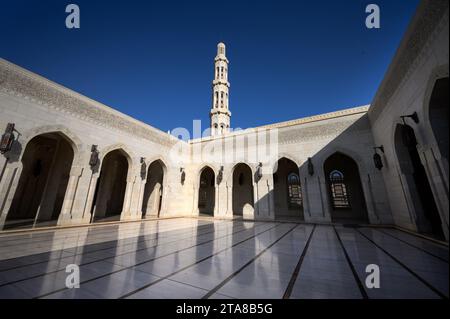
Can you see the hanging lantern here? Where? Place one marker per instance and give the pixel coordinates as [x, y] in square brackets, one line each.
[259, 173]
[93, 160]
[7, 139]
[377, 161]
[220, 175]
[183, 175]
[143, 168]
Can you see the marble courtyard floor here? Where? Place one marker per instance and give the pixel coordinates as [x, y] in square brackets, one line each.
[203, 258]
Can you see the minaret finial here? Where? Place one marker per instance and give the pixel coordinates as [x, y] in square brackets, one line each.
[221, 48]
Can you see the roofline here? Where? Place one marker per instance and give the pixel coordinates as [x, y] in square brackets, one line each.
[300, 121]
[36, 77]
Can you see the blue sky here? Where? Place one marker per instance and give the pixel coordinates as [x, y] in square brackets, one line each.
[153, 60]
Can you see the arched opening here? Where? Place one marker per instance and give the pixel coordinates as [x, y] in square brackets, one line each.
[153, 193]
[345, 189]
[416, 179]
[288, 200]
[438, 113]
[207, 192]
[242, 190]
[39, 196]
[111, 185]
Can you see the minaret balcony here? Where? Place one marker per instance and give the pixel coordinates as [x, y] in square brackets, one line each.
[221, 81]
[219, 111]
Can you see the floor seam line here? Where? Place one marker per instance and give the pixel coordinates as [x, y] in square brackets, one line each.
[234, 274]
[138, 264]
[51, 251]
[412, 245]
[197, 262]
[352, 267]
[426, 283]
[296, 272]
[88, 252]
[91, 262]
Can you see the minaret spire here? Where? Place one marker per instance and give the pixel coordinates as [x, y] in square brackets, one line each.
[220, 114]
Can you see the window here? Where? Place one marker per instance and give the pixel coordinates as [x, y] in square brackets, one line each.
[294, 191]
[339, 195]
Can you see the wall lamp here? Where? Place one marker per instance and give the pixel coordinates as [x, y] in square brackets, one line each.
[377, 157]
[143, 168]
[220, 175]
[7, 138]
[93, 160]
[183, 175]
[259, 173]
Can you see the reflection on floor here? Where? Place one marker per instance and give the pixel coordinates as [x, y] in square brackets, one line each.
[203, 258]
[28, 223]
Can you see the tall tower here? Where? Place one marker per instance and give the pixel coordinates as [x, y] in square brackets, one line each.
[220, 114]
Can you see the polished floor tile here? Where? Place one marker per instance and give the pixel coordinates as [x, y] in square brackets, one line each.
[204, 258]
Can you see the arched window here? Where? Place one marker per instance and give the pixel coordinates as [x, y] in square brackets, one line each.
[339, 192]
[294, 191]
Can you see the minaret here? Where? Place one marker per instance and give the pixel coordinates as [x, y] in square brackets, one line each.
[220, 115]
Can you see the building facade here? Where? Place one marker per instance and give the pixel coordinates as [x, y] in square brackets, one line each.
[74, 161]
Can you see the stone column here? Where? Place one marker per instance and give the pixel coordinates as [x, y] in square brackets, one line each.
[140, 201]
[324, 200]
[229, 211]
[438, 182]
[87, 216]
[65, 217]
[372, 213]
[266, 199]
[305, 196]
[413, 202]
[166, 191]
[222, 200]
[126, 214]
[255, 202]
[216, 200]
[9, 179]
[195, 210]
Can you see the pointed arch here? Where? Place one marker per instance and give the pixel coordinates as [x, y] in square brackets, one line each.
[242, 189]
[46, 165]
[345, 192]
[287, 189]
[115, 170]
[154, 191]
[206, 190]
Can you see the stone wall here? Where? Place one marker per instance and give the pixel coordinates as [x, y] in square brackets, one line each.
[421, 59]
